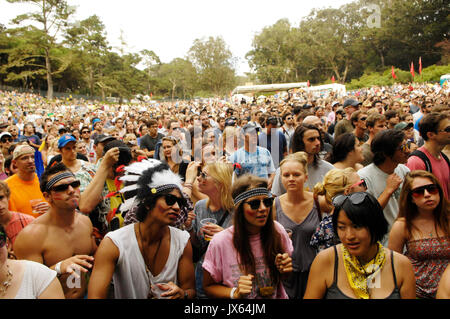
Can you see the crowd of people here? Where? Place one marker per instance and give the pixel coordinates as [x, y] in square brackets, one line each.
[290, 196]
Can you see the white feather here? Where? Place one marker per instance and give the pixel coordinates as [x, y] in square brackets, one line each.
[128, 204]
[165, 177]
[129, 188]
[130, 178]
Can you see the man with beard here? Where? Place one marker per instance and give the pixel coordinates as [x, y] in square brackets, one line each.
[26, 196]
[61, 239]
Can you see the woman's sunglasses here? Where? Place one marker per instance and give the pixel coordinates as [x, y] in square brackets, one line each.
[64, 187]
[256, 203]
[172, 199]
[420, 191]
[355, 198]
[362, 183]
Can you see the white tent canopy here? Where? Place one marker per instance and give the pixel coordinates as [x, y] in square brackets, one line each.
[268, 87]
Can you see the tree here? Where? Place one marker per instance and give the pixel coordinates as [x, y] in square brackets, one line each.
[181, 75]
[52, 17]
[214, 63]
[152, 63]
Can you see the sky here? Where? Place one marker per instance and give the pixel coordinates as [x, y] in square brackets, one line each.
[169, 27]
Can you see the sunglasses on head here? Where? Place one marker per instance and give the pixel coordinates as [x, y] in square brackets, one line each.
[420, 191]
[361, 182]
[256, 203]
[64, 187]
[172, 199]
[2, 238]
[355, 198]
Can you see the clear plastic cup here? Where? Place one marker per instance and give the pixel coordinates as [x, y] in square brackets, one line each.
[34, 203]
[156, 291]
[205, 222]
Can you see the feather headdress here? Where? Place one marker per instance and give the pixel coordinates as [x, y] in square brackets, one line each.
[144, 178]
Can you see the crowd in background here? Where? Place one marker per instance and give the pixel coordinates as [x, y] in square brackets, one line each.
[308, 195]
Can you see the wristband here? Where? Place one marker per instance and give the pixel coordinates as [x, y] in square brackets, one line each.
[232, 293]
[58, 268]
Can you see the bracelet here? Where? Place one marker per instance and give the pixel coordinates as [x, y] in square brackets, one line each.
[232, 293]
[58, 268]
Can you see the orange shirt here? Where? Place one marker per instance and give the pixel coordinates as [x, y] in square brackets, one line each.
[21, 194]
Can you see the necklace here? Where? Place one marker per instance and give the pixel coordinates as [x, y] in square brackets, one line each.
[7, 283]
[143, 250]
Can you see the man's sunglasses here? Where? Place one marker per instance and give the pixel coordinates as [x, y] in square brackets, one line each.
[355, 198]
[362, 182]
[64, 187]
[256, 203]
[446, 130]
[8, 139]
[172, 199]
[363, 118]
[84, 132]
[3, 239]
[420, 191]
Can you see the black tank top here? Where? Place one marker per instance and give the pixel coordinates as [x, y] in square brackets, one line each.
[335, 293]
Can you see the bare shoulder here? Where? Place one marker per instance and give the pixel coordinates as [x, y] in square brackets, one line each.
[400, 260]
[326, 257]
[37, 229]
[84, 220]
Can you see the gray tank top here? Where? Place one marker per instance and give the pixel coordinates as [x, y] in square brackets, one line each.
[304, 253]
[335, 293]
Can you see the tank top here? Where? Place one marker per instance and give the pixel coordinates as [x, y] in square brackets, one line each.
[429, 257]
[130, 277]
[333, 292]
[304, 253]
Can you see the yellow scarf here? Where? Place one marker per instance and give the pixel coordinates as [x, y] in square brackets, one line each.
[362, 277]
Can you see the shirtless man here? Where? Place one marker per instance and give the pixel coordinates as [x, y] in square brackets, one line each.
[61, 239]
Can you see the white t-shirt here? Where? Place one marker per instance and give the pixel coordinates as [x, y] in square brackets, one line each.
[36, 278]
[130, 276]
[376, 183]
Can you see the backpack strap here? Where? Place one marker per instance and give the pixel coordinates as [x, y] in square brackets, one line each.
[424, 158]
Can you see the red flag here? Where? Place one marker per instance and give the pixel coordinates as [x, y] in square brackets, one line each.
[393, 73]
[308, 83]
[420, 65]
[412, 69]
[332, 79]
[151, 94]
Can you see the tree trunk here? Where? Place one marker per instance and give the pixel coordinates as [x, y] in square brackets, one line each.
[49, 75]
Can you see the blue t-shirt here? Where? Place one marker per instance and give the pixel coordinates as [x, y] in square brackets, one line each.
[258, 163]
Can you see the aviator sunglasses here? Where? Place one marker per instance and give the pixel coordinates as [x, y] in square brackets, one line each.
[420, 191]
[64, 187]
[355, 198]
[256, 203]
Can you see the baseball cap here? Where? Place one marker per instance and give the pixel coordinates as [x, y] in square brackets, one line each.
[103, 138]
[66, 138]
[351, 102]
[22, 150]
[403, 126]
[334, 103]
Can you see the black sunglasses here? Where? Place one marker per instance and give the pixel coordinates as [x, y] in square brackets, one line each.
[420, 191]
[2, 239]
[256, 203]
[363, 118]
[64, 187]
[8, 139]
[84, 132]
[172, 199]
[355, 198]
[447, 129]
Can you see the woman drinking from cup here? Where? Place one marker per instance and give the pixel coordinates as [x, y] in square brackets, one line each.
[423, 227]
[248, 259]
[296, 210]
[360, 267]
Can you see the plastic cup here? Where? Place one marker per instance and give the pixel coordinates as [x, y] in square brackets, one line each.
[205, 222]
[156, 291]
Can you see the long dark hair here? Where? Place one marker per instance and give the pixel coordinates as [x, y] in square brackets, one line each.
[270, 238]
[297, 140]
[343, 145]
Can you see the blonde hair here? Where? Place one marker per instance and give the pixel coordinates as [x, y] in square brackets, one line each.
[222, 174]
[299, 157]
[334, 183]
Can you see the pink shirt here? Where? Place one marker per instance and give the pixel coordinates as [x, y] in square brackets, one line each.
[440, 168]
[221, 262]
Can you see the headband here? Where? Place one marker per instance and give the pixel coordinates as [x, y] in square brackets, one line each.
[251, 193]
[57, 178]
